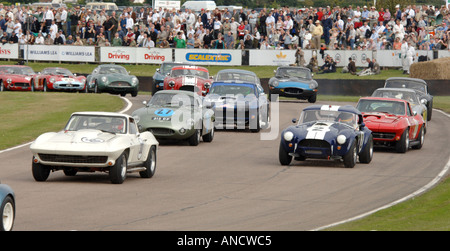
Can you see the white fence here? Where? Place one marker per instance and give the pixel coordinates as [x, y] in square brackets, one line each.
[139, 55]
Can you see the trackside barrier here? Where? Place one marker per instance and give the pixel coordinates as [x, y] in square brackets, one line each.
[255, 57]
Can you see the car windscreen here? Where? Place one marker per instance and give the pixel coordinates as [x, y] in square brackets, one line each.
[57, 71]
[111, 124]
[112, 70]
[171, 99]
[236, 76]
[229, 89]
[408, 96]
[347, 118]
[383, 106]
[406, 84]
[189, 72]
[294, 72]
[17, 70]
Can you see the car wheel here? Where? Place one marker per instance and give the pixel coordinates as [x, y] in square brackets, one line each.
[45, 87]
[429, 110]
[150, 164]
[134, 94]
[367, 153]
[32, 86]
[403, 145]
[283, 156]
[7, 212]
[350, 156]
[40, 172]
[118, 172]
[210, 136]
[2, 87]
[421, 138]
[312, 99]
[194, 140]
[96, 88]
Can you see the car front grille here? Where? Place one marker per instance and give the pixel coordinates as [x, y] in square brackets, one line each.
[293, 90]
[382, 135]
[22, 84]
[79, 159]
[120, 84]
[314, 143]
[161, 131]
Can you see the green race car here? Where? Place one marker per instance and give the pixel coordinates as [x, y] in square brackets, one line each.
[113, 79]
[175, 114]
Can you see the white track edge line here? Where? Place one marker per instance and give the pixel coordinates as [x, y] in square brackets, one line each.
[129, 104]
[420, 191]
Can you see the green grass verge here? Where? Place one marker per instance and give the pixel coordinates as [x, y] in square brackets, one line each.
[26, 115]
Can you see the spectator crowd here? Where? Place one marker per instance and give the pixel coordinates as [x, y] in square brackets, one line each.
[338, 28]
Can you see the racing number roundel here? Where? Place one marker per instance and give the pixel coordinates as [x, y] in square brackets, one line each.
[164, 112]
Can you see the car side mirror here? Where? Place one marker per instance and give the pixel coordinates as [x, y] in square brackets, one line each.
[423, 101]
[414, 113]
[294, 120]
[157, 70]
[144, 103]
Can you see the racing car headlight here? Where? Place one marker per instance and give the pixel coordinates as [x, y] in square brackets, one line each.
[312, 86]
[171, 84]
[134, 81]
[274, 83]
[9, 81]
[341, 139]
[288, 136]
[104, 79]
[51, 80]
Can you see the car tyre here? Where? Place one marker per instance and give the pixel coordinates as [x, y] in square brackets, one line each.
[194, 140]
[7, 213]
[350, 156]
[430, 110]
[421, 138]
[312, 99]
[403, 145]
[40, 172]
[2, 86]
[118, 172]
[367, 153]
[210, 136]
[283, 156]
[150, 164]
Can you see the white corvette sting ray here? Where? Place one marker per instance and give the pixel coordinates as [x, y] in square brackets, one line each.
[96, 141]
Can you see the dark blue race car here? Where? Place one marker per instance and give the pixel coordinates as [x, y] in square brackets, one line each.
[327, 132]
[7, 208]
[294, 82]
[238, 105]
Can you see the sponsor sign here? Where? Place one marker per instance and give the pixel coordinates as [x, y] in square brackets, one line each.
[117, 54]
[209, 57]
[59, 53]
[153, 55]
[272, 57]
[10, 51]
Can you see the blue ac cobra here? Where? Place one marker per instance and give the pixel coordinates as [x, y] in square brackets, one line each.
[7, 208]
[327, 132]
[293, 82]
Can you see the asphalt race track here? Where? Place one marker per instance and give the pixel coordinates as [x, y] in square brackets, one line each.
[232, 183]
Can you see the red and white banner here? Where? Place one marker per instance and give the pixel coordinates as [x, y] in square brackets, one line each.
[9, 51]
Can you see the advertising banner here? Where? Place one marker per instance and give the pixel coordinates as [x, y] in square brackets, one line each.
[59, 53]
[153, 55]
[272, 57]
[118, 55]
[10, 51]
[209, 57]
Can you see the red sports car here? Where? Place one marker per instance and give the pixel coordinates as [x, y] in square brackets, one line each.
[15, 77]
[188, 78]
[392, 122]
[58, 79]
